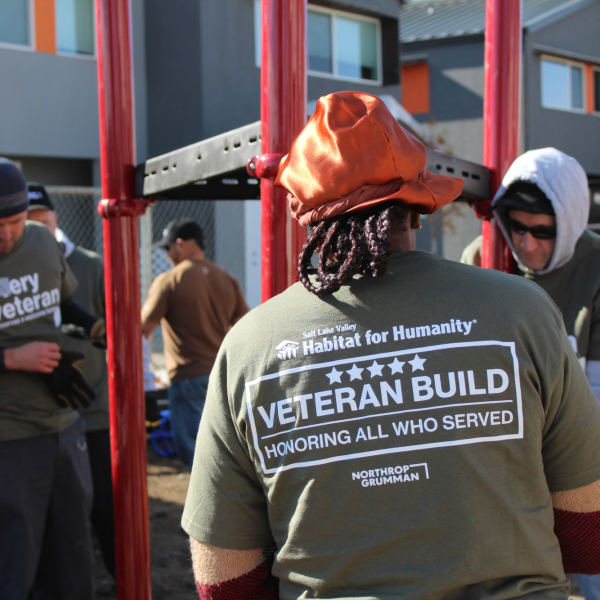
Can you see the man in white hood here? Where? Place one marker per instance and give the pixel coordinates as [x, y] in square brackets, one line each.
[542, 208]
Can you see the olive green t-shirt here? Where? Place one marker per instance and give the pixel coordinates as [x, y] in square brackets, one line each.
[399, 438]
[34, 278]
[88, 269]
[574, 287]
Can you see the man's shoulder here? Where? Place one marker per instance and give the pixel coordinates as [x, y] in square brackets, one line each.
[585, 262]
[200, 268]
[267, 314]
[489, 281]
[85, 256]
[38, 232]
[39, 241]
[162, 279]
[471, 255]
[588, 246]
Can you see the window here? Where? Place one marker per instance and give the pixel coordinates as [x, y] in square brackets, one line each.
[15, 22]
[562, 85]
[343, 46]
[75, 26]
[340, 45]
[320, 56]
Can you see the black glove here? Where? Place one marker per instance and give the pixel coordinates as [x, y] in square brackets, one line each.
[67, 384]
[98, 334]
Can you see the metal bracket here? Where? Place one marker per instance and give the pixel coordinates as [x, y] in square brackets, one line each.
[109, 209]
[213, 169]
[264, 166]
[229, 166]
[476, 176]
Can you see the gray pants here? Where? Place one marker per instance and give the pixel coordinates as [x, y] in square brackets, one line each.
[45, 501]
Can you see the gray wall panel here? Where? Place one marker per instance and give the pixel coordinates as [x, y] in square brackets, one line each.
[173, 74]
[576, 134]
[230, 78]
[56, 171]
[320, 86]
[456, 80]
[389, 8]
[139, 73]
[48, 105]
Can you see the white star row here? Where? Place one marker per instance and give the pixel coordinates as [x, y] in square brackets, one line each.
[376, 369]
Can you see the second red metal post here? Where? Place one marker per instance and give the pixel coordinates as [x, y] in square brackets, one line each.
[283, 114]
[123, 320]
[500, 114]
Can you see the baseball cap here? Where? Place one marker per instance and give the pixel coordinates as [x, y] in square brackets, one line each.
[38, 197]
[525, 196]
[184, 229]
[352, 155]
[13, 189]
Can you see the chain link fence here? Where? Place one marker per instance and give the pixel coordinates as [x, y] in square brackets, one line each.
[77, 215]
[222, 223]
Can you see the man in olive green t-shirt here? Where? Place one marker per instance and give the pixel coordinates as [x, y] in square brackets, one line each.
[45, 490]
[88, 268]
[396, 425]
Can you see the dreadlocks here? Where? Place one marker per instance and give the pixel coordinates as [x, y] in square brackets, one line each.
[349, 244]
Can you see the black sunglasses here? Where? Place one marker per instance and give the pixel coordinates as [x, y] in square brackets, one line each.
[540, 232]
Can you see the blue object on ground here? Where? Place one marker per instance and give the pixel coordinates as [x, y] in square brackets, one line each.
[589, 586]
[162, 437]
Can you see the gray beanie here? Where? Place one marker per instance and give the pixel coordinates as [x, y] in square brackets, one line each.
[13, 189]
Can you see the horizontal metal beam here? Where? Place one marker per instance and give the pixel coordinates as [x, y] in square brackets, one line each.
[476, 176]
[217, 157]
[215, 169]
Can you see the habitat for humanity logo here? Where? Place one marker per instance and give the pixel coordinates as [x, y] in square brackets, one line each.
[287, 350]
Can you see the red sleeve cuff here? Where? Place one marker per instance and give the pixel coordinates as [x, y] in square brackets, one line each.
[579, 538]
[258, 584]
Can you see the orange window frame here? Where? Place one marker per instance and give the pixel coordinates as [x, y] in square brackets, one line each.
[45, 26]
[415, 88]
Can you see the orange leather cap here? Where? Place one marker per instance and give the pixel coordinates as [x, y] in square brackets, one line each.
[351, 155]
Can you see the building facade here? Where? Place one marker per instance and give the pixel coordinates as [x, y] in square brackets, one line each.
[196, 75]
[442, 48]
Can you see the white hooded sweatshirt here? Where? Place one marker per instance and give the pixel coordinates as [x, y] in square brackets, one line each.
[564, 182]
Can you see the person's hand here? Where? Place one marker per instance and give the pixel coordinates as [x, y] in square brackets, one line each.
[67, 384]
[41, 357]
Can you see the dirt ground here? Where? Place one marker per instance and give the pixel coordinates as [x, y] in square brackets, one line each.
[172, 576]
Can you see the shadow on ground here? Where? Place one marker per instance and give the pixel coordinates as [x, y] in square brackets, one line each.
[171, 567]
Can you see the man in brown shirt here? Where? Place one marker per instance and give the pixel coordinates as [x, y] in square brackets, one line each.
[196, 302]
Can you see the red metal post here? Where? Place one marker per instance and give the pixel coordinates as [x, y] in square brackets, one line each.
[283, 114]
[500, 114]
[122, 276]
